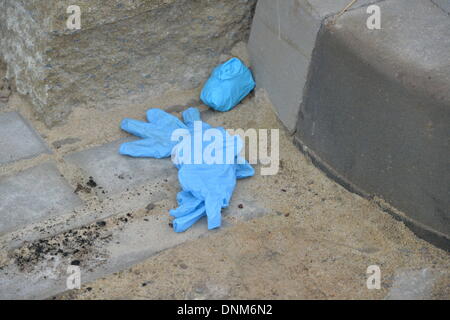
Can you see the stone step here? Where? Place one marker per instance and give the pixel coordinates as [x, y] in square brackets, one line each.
[369, 106]
[38, 269]
[124, 52]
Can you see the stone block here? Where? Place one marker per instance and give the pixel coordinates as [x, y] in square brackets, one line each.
[33, 195]
[114, 172]
[125, 51]
[18, 140]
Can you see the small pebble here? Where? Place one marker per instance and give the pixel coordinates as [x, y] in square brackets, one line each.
[75, 262]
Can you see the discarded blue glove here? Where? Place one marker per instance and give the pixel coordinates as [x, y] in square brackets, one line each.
[207, 186]
[156, 135]
[229, 83]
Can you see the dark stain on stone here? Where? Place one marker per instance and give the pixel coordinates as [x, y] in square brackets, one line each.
[91, 183]
[81, 188]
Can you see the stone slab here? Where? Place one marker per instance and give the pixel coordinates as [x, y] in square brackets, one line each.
[413, 285]
[114, 172]
[33, 195]
[18, 140]
[136, 240]
[443, 4]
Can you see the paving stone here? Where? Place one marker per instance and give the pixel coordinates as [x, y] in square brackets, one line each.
[443, 4]
[412, 285]
[135, 241]
[34, 194]
[18, 140]
[114, 172]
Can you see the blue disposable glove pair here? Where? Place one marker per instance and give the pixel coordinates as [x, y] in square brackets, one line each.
[206, 187]
[229, 83]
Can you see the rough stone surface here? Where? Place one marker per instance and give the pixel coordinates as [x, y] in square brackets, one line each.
[34, 194]
[125, 50]
[22, 44]
[17, 139]
[114, 172]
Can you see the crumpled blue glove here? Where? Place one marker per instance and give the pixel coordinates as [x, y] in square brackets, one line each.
[156, 135]
[229, 83]
[206, 188]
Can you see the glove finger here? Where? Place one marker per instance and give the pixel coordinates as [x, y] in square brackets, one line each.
[244, 170]
[190, 115]
[138, 128]
[183, 223]
[164, 119]
[184, 196]
[187, 204]
[146, 148]
[213, 211]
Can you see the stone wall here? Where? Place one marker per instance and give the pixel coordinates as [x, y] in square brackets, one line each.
[126, 50]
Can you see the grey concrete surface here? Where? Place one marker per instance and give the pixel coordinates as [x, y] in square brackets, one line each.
[18, 140]
[125, 246]
[412, 285]
[292, 235]
[32, 195]
[281, 42]
[114, 173]
[376, 110]
[443, 4]
[411, 48]
[283, 81]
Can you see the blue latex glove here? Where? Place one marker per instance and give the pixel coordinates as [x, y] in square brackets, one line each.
[229, 83]
[207, 188]
[155, 134]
